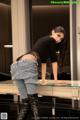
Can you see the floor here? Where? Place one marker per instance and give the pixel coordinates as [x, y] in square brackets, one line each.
[63, 109]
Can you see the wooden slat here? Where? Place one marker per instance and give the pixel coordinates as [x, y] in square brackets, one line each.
[8, 89]
[47, 89]
[59, 89]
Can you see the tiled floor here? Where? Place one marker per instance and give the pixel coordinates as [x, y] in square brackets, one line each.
[8, 106]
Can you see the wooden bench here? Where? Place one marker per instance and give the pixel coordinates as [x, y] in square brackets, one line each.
[48, 89]
[62, 89]
[10, 89]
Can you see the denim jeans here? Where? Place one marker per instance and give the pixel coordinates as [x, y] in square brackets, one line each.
[25, 74]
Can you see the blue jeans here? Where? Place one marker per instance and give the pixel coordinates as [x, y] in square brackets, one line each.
[25, 89]
[25, 74]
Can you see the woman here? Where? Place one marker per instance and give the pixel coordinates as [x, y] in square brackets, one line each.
[25, 70]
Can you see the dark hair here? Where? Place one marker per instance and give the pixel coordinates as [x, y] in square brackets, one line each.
[59, 29]
[60, 46]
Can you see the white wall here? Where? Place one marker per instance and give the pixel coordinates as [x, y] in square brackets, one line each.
[20, 27]
[73, 44]
[78, 38]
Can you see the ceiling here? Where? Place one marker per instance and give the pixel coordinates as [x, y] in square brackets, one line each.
[49, 9]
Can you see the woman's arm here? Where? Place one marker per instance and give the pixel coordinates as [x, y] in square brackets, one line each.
[43, 71]
[55, 70]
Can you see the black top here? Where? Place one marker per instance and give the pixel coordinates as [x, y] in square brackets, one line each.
[46, 48]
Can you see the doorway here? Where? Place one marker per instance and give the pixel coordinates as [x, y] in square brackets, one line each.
[44, 17]
[5, 39]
